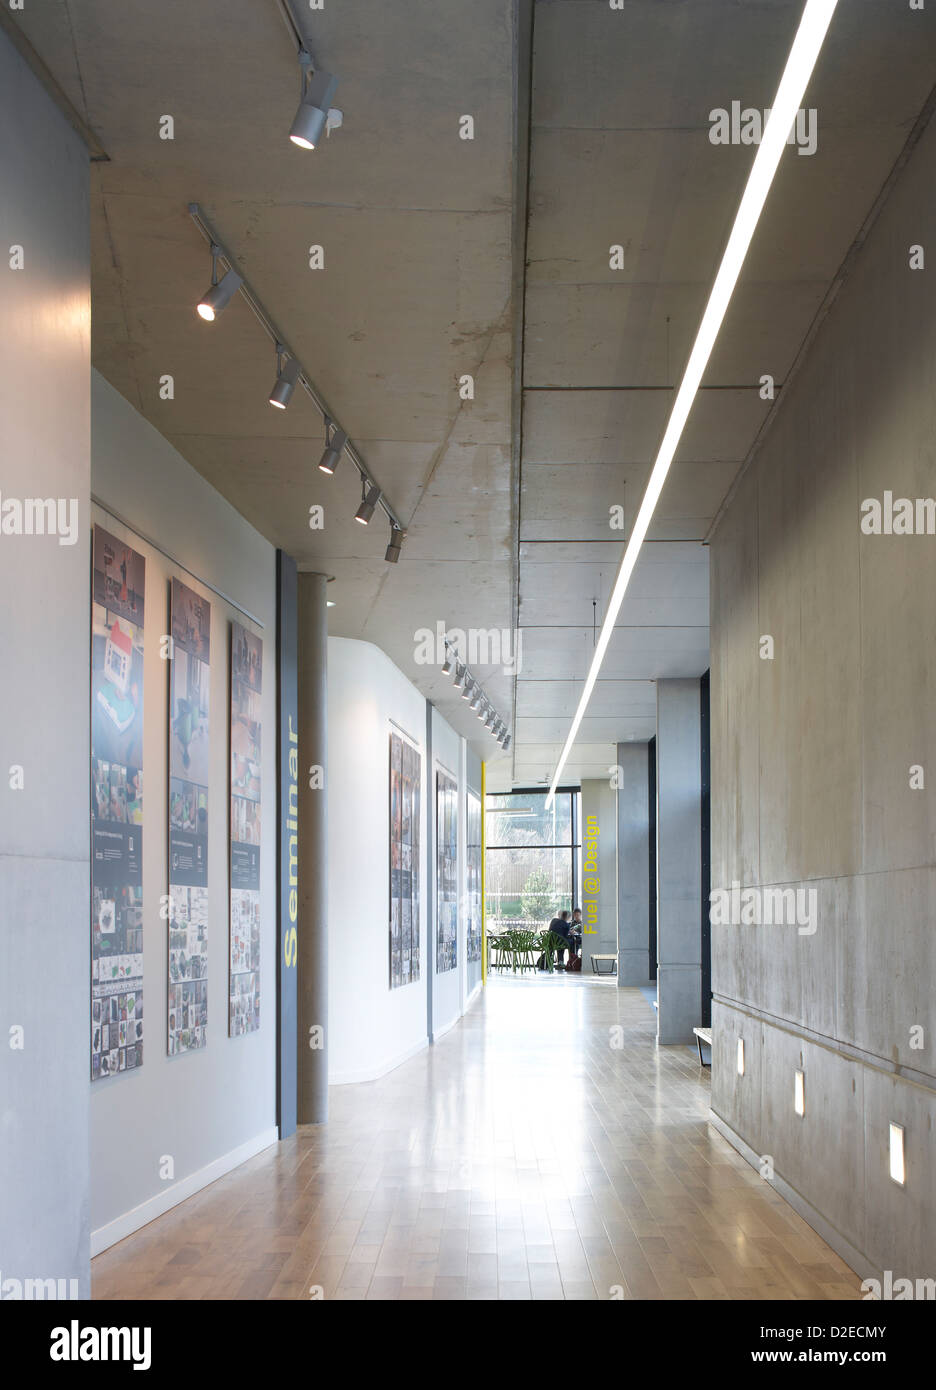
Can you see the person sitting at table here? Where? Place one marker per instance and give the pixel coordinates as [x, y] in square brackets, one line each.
[559, 926]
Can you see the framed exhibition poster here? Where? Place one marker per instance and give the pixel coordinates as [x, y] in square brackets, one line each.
[447, 873]
[244, 967]
[118, 584]
[405, 784]
[473, 874]
[189, 772]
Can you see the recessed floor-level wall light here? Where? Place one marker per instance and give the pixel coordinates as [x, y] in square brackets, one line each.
[898, 1168]
[799, 1093]
[807, 44]
[740, 1056]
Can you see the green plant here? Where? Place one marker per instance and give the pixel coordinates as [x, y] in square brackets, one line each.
[538, 897]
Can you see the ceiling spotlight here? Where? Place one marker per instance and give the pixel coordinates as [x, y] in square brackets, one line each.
[447, 665]
[219, 294]
[369, 499]
[317, 90]
[395, 548]
[459, 675]
[335, 440]
[286, 378]
[466, 691]
[476, 698]
[506, 743]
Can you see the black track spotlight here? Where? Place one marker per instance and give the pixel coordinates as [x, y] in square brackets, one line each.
[286, 377]
[395, 547]
[317, 88]
[219, 293]
[369, 499]
[335, 440]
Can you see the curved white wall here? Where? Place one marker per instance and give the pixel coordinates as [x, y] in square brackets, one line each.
[372, 1028]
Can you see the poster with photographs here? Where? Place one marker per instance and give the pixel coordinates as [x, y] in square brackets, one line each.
[405, 785]
[118, 583]
[447, 873]
[473, 873]
[189, 774]
[246, 687]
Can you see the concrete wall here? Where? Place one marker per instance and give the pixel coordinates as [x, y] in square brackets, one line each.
[44, 824]
[811, 759]
[633, 838]
[599, 801]
[212, 1108]
[679, 859]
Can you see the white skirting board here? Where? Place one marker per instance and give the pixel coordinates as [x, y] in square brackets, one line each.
[122, 1226]
[379, 1069]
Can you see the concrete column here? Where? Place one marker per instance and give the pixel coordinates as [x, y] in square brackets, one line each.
[633, 838]
[599, 871]
[679, 867]
[312, 1106]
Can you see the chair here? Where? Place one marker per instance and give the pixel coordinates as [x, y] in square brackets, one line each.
[551, 943]
[500, 951]
[524, 944]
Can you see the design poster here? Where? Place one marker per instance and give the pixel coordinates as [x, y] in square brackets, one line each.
[246, 686]
[118, 583]
[189, 771]
[405, 782]
[447, 876]
[473, 867]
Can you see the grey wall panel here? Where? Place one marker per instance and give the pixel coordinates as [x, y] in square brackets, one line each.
[45, 690]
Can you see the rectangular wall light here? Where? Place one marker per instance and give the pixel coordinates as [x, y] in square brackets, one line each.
[740, 1056]
[817, 16]
[898, 1170]
[799, 1093]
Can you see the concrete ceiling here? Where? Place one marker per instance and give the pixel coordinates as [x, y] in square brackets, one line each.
[423, 234]
[620, 155]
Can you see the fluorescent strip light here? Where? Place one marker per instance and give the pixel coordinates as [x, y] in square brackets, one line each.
[898, 1169]
[740, 1056]
[810, 35]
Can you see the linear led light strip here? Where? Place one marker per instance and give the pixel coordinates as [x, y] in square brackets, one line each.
[814, 25]
[302, 377]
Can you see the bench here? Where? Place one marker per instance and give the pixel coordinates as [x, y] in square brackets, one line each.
[703, 1035]
[596, 970]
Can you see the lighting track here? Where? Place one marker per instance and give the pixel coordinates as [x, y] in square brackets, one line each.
[221, 253]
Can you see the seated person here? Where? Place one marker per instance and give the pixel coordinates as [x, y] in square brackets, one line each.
[576, 930]
[559, 926]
